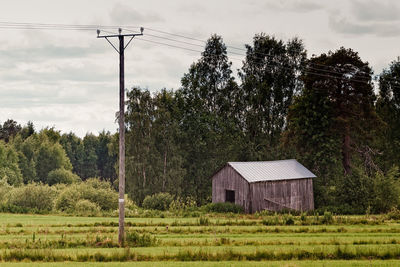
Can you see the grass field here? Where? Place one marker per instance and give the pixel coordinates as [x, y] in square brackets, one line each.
[215, 240]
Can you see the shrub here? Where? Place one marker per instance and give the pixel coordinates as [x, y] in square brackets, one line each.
[328, 218]
[93, 190]
[5, 188]
[133, 239]
[62, 176]
[288, 219]
[181, 204]
[86, 208]
[159, 201]
[386, 191]
[394, 214]
[33, 196]
[99, 192]
[224, 207]
[68, 198]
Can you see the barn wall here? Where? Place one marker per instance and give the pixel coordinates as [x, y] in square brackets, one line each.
[292, 194]
[228, 179]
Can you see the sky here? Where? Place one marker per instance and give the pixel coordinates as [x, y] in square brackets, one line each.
[68, 79]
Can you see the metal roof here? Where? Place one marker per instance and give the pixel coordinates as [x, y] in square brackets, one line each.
[258, 171]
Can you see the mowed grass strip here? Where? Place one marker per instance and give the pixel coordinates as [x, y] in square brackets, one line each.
[324, 263]
[203, 254]
[306, 263]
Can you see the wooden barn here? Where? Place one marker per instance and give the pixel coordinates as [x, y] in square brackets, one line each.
[264, 185]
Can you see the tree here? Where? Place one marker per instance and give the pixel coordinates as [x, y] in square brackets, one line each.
[27, 130]
[388, 108]
[50, 157]
[89, 163]
[139, 120]
[9, 169]
[208, 106]
[9, 129]
[106, 160]
[332, 123]
[74, 149]
[270, 80]
[166, 135]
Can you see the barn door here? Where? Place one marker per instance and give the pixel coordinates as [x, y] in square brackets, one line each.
[230, 196]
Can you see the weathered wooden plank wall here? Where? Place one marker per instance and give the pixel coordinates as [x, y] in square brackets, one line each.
[228, 179]
[294, 194]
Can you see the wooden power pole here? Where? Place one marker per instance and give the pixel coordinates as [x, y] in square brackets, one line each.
[121, 197]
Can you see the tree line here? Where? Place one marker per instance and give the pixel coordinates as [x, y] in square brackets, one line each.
[328, 111]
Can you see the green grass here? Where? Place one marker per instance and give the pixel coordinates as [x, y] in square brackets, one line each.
[388, 263]
[214, 240]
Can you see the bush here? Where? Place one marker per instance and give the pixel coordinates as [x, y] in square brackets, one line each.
[181, 204]
[86, 208]
[99, 192]
[224, 207]
[62, 176]
[68, 198]
[5, 188]
[288, 219]
[159, 201]
[33, 196]
[133, 239]
[386, 191]
[93, 190]
[394, 214]
[328, 218]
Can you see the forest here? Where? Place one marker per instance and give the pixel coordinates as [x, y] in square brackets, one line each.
[328, 111]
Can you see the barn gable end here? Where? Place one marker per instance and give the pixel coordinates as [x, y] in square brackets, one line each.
[227, 178]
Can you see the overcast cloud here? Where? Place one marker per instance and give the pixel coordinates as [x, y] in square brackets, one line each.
[69, 79]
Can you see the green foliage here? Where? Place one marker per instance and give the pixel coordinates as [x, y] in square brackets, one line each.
[9, 129]
[62, 176]
[182, 204]
[224, 207]
[98, 192]
[9, 168]
[50, 156]
[33, 196]
[327, 218]
[5, 188]
[85, 207]
[394, 214]
[159, 201]
[269, 84]
[386, 191]
[134, 239]
[68, 198]
[204, 221]
[288, 219]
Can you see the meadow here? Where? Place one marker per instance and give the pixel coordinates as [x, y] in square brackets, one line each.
[209, 240]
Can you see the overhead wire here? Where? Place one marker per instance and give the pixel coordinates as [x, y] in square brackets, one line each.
[45, 26]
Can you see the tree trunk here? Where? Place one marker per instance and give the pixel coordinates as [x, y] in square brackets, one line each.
[346, 151]
[165, 171]
[144, 177]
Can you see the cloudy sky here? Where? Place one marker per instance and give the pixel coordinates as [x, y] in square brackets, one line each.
[69, 79]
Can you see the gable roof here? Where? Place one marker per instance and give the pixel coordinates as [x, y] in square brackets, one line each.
[258, 171]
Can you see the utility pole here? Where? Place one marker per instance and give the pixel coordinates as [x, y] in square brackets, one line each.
[121, 198]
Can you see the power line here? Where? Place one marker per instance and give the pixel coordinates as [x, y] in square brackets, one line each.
[282, 67]
[89, 27]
